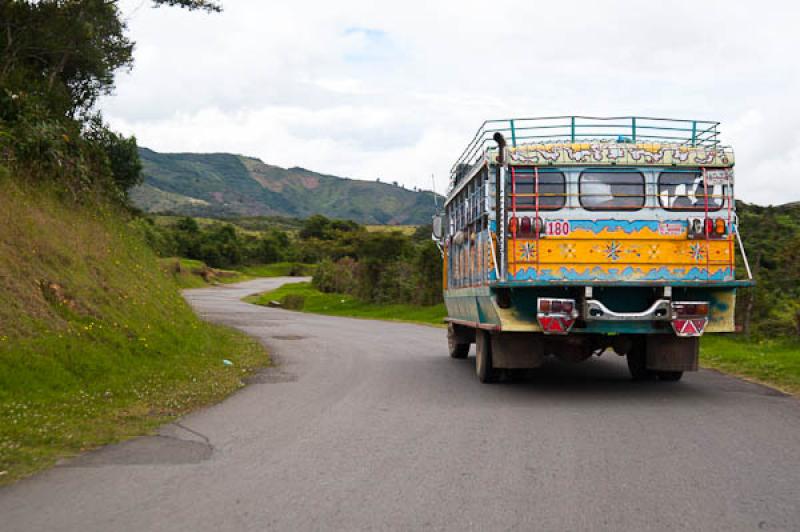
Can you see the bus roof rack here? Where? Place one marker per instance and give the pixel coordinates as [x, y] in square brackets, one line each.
[576, 129]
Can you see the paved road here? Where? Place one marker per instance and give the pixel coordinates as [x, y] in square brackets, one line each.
[369, 425]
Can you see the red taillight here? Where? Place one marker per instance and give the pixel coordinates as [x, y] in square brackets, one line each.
[544, 305]
[689, 309]
[525, 225]
[707, 228]
[512, 225]
[561, 305]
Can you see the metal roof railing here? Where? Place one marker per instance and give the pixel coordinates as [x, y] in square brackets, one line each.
[583, 128]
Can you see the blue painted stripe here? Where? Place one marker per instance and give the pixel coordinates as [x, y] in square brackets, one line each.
[626, 274]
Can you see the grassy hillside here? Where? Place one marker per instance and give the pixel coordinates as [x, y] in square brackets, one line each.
[227, 185]
[96, 343]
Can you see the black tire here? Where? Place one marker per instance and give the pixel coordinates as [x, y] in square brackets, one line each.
[457, 350]
[637, 364]
[670, 376]
[483, 357]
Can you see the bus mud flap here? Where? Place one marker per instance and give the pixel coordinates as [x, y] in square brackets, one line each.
[517, 350]
[672, 353]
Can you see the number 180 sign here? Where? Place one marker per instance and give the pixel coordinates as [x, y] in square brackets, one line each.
[556, 228]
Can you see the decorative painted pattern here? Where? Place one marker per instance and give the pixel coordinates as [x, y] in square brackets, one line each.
[609, 152]
[618, 250]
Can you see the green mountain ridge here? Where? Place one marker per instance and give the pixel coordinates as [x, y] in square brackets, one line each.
[222, 185]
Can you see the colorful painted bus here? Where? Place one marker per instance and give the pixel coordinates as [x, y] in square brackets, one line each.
[569, 236]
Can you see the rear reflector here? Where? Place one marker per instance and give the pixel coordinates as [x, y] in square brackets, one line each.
[555, 325]
[693, 327]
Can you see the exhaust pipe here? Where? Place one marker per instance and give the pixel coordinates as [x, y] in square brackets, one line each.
[501, 143]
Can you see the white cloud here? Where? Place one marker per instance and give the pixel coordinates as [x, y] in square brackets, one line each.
[366, 89]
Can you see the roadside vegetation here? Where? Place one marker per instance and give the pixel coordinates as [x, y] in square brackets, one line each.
[775, 362]
[96, 342]
[304, 297]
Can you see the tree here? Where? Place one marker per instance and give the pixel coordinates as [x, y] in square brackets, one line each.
[316, 226]
[57, 57]
[205, 5]
[121, 154]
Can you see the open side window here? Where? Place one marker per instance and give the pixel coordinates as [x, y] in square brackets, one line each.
[684, 191]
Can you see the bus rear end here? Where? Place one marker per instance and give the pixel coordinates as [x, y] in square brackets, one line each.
[594, 244]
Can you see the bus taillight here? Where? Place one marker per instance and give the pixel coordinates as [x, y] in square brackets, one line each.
[712, 228]
[556, 316]
[512, 225]
[525, 225]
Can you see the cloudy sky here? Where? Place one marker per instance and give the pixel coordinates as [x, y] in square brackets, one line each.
[395, 90]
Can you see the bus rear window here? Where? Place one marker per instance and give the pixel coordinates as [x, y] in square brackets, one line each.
[684, 191]
[611, 191]
[552, 190]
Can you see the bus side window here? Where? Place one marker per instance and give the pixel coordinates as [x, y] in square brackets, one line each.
[611, 191]
[552, 190]
[684, 191]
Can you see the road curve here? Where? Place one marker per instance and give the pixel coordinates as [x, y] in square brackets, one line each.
[370, 425]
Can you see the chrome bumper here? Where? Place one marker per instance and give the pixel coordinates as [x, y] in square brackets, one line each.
[594, 310]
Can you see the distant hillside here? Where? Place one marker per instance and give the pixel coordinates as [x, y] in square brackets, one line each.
[227, 185]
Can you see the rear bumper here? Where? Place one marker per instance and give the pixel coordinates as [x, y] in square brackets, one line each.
[631, 309]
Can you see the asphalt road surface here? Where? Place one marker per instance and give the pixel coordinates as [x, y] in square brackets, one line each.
[367, 425]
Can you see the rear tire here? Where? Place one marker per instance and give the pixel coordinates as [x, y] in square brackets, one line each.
[483, 357]
[637, 363]
[457, 350]
[670, 376]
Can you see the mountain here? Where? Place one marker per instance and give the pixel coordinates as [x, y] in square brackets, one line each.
[226, 185]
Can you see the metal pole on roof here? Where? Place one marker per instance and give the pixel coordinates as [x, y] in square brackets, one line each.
[572, 128]
[633, 128]
[513, 134]
[694, 133]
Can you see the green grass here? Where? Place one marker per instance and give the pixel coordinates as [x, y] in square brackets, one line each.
[405, 229]
[303, 296]
[772, 362]
[190, 273]
[278, 269]
[96, 342]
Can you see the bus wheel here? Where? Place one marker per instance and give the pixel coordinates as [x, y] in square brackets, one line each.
[456, 348]
[671, 376]
[637, 363]
[483, 357]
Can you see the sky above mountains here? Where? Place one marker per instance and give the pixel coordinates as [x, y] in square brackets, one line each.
[395, 90]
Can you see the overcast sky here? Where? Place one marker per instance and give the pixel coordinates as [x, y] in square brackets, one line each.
[395, 90]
